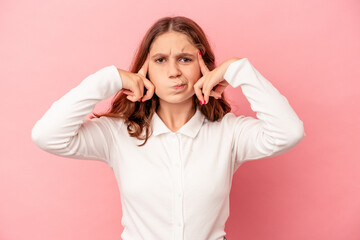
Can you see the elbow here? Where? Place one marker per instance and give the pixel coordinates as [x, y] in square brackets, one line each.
[49, 141]
[288, 138]
[37, 136]
[297, 133]
[42, 137]
[300, 132]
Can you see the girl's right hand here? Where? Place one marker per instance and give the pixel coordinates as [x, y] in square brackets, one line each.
[133, 83]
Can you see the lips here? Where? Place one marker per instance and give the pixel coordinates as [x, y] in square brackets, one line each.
[178, 87]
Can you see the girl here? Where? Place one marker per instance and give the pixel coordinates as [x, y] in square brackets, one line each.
[170, 137]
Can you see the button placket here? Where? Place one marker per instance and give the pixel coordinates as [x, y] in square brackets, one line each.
[179, 193]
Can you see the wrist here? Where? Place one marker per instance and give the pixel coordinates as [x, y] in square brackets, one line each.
[231, 60]
[227, 63]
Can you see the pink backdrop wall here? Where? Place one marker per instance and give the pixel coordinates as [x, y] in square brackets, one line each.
[309, 50]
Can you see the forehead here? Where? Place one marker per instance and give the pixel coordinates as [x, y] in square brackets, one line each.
[171, 41]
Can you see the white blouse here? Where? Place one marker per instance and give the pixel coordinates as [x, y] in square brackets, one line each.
[177, 185]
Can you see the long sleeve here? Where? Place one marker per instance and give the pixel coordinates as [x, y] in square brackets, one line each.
[63, 131]
[277, 128]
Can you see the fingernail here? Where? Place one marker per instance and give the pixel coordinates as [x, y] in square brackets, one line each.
[199, 53]
[219, 97]
[204, 101]
[201, 102]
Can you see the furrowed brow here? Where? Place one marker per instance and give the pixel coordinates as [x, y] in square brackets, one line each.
[178, 55]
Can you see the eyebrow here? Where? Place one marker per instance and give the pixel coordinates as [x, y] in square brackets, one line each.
[178, 55]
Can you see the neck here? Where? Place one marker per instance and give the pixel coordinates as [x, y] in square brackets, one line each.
[175, 115]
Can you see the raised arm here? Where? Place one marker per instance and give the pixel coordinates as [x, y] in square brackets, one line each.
[63, 131]
[277, 129]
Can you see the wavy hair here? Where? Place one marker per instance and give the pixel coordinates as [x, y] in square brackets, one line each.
[137, 115]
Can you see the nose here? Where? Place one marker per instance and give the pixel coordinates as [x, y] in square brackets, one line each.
[173, 69]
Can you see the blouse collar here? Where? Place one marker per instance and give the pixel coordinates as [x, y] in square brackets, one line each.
[190, 128]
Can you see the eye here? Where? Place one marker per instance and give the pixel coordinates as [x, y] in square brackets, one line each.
[157, 60]
[186, 59]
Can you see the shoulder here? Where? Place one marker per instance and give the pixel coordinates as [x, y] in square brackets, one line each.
[226, 123]
[232, 124]
[226, 119]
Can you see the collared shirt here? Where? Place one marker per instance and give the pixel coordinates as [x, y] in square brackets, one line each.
[176, 186]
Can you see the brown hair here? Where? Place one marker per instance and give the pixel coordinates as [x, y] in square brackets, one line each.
[138, 115]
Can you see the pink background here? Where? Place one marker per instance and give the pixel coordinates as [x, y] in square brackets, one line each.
[309, 50]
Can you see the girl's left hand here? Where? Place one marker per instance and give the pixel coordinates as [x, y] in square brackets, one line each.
[211, 79]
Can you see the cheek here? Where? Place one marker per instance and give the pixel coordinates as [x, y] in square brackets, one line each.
[153, 72]
[150, 72]
[193, 74]
[154, 77]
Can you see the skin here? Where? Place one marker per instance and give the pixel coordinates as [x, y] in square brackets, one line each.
[167, 66]
[169, 69]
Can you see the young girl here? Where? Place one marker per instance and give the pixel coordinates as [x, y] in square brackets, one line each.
[170, 137]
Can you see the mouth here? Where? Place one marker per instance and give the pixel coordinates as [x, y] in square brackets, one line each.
[179, 86]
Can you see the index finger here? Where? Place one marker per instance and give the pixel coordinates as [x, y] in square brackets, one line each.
[144, 68]
[204, 69]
